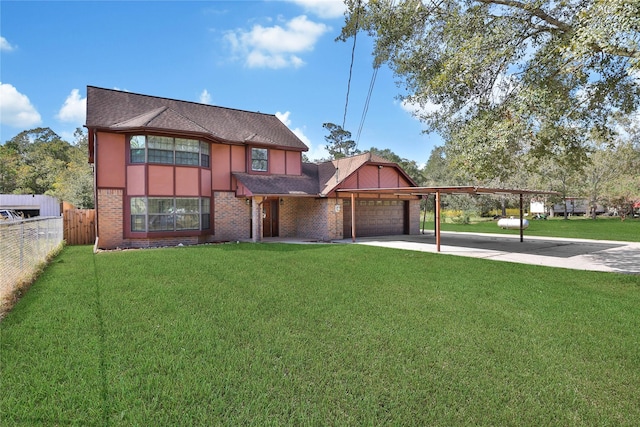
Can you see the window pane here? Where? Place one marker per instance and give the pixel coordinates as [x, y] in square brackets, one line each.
[138, 223]
[136, 146]
[160, 156]
[160, 206]
[161, 223]
[204, 160]
[191, 145]
[187, 205]
[205, 205]
[136, 141]
[137, 155]
[187, 221]
[160, 142]
[204, 148]
[184, 158]
[206, 222]
[138, 206]
[259, 159]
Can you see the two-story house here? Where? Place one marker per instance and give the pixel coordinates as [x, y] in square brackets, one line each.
[170, 172]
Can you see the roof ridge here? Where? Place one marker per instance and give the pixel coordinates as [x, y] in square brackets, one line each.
[181, 100]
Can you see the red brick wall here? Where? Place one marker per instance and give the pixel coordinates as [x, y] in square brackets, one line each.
[110, 218]
[310, 218]
[157, 242]
[414, 216]
[231, 217]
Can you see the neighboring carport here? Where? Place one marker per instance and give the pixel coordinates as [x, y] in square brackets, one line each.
[438, 192]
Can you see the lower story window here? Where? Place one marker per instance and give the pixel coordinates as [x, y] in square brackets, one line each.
[149, 214]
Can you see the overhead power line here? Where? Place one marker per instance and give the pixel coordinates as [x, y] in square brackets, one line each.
[353, 54]
[366, 104]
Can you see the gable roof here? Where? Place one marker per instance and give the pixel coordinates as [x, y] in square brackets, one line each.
[316, 179]
[334, 172]
[119, 111]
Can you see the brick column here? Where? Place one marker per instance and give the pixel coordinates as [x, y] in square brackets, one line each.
[110, 218]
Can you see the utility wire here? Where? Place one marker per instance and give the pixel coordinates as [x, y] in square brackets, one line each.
[353, 54]
[366, 104]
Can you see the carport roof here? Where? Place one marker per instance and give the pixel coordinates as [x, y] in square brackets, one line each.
[463, 189]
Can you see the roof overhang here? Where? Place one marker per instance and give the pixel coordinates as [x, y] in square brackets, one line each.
[423, 191]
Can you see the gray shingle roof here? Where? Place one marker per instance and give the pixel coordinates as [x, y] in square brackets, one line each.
[125, 111]
[305, 184]
[316, 179]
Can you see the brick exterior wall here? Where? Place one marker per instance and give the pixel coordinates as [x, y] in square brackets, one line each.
[110, 218]
[311, 218]
[231, 217]
[414, 216]
[303, 217]
[163, 241]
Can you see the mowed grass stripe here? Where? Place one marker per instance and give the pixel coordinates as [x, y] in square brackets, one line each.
[273, 334]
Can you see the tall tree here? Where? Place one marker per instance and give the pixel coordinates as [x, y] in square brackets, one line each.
[42, 156]
[9, 164]
[514, 81]
[38, 161]
[74, 184]
[339, 142]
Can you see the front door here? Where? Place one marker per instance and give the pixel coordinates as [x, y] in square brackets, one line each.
[270, 218]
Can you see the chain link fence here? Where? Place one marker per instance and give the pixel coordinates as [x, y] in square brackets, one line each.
[24, 247]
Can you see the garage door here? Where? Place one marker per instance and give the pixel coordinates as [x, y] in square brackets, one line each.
[375, 217]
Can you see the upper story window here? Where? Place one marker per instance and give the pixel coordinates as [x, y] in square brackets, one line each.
[259, 159]
[168, 150]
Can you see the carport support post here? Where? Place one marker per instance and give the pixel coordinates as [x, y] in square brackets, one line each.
[521, 219]
[353, 217]
[437, 221]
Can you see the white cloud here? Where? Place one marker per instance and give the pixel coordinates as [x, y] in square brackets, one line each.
[74, 109]
[205, 97]
[277, 46]
[16, 109]
[5, 46]
[315, 152]
[323, 8]
[417, 110]
[284, 117]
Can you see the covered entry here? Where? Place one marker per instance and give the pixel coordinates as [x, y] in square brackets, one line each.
[376, 217]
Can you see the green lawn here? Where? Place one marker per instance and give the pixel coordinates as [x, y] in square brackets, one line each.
[603, 228]
[277, 334]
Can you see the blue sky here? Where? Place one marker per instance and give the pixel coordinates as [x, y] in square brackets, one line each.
[277, 57]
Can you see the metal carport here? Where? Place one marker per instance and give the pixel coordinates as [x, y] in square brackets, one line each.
[438, 192]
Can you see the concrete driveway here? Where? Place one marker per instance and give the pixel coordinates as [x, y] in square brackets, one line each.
[578, 254]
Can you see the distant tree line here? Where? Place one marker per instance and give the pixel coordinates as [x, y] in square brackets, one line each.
[39, 161]
[609, 176]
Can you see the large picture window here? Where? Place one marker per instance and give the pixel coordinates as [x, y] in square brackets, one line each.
[259, 159]
[151, 214]
[168, 150]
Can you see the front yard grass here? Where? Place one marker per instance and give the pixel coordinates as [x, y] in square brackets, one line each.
[282, 334]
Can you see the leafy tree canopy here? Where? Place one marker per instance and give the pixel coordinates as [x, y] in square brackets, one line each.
[38, 161]
[510, 82]
[339, 142]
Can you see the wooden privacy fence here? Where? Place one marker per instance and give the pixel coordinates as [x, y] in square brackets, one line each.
[79, 226]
